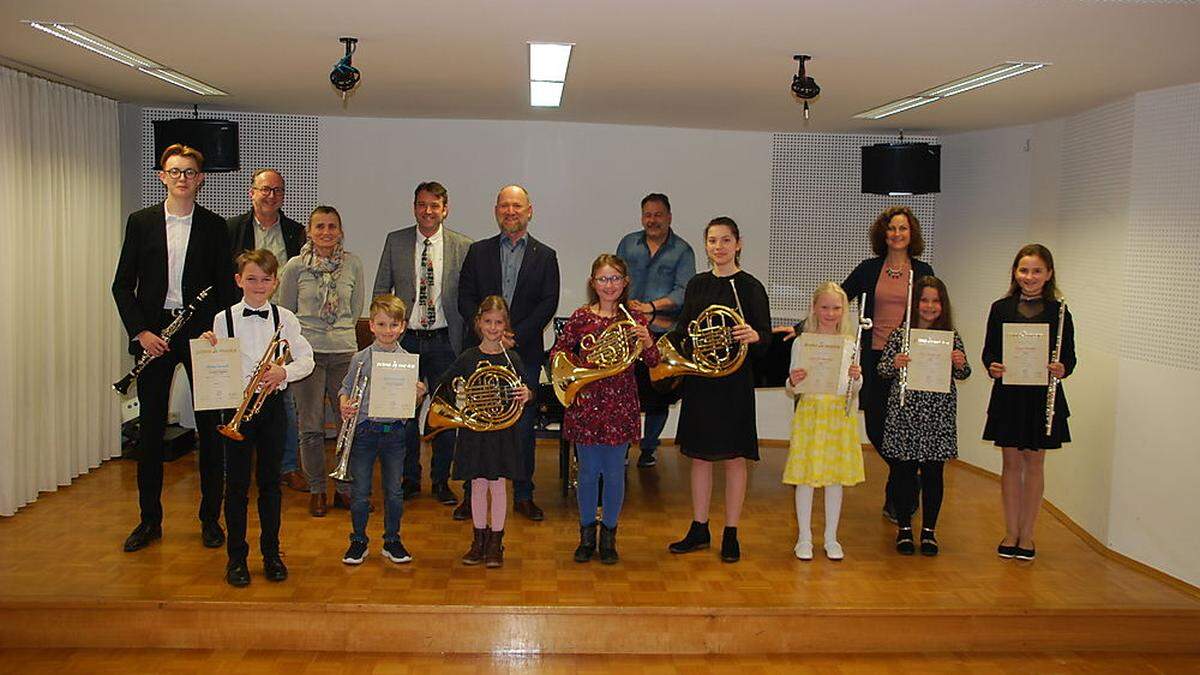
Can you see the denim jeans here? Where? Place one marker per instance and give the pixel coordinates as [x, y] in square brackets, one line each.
[655, 423]
[291, 439]
[596, 461]
[385, 441]
[436, 357]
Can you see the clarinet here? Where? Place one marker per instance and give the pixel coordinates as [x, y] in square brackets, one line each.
[122, 385]
[1052, 389]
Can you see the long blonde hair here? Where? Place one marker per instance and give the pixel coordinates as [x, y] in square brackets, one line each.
[812, 323]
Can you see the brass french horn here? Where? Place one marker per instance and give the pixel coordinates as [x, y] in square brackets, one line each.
[614, 350]
[714, 352]
[484, 401]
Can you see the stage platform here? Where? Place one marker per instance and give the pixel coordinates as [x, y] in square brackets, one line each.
[65, 582]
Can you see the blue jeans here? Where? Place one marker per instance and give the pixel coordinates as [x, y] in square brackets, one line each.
[655, 422]
[523, 485]
[436, 358]
[291, 439]
[385, 441]
[596, 461]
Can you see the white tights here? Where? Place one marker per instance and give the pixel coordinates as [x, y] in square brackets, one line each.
[833, 511]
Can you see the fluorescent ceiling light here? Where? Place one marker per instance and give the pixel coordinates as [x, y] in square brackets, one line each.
[548, 72]
[982, 78]
[545, 94]
[106, 48]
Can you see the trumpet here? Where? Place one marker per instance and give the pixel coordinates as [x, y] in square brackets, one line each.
[1052, 389]
[714, 351]
[863, 322]
[256, 394]
[484, 401]
[122, 385]
[614, 350]
[345, 439]
[906, 338]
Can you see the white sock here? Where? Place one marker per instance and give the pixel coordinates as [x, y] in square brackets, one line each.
[833, 511]
[804, 497]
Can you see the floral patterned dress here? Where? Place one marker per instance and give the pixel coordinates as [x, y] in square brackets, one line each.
[825, 448]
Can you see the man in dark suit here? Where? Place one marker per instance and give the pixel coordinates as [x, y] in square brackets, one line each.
[420, 264]
[173, 251]
[525, 272]
[265, 226]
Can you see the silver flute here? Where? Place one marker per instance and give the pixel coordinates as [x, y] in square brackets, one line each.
[863, 322]
[1052, 388]
[907, 336]
[122, 385]
[345, 439]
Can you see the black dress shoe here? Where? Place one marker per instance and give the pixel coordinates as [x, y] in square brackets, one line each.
[527, 508]
[273, 568]
[731, 552]
[211, 534]
[410, 489]
[237, 574]
[1006, 551]
[443, 493]
[141, 537]
[697, 537]
[1024, 553]
[463, 512]
[904, 541]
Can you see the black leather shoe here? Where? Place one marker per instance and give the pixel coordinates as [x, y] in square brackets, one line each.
[141, 537]
[211, 534]
[527, 508]
[273, 568]
[1024, 553]
[410, 489]
[904, 541]
[463, 512]
[237, 574]
[1006, 551]
[587, 543]
[443, 493]
[697, 537]
[731, 552]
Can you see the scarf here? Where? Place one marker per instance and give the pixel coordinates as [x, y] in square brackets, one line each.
[326, 271]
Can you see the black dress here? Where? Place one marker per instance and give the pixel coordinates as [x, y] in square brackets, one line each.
[487, 454]
[717, 417]
[1016, 415]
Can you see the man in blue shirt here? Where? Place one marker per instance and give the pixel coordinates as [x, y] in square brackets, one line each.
[660, 265]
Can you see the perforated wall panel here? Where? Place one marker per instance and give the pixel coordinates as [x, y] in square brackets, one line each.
[820, 217]
[285, 142]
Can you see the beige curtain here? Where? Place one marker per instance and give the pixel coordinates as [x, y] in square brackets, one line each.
[60, 339]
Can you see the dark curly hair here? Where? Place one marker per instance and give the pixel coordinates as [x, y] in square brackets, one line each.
[878, 232]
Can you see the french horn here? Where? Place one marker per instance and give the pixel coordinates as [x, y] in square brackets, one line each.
[486, 400]
[709, 340]
[612, 351]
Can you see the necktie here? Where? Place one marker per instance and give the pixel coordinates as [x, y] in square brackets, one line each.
[425, 293]
[260, 313]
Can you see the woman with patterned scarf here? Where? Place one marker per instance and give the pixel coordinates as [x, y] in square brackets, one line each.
[324, 287]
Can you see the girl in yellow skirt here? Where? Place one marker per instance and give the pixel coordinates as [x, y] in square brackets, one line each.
[825, 449]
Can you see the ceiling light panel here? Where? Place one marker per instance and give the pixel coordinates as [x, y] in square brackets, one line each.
[545, 94]
[548, 62]
[996, 73]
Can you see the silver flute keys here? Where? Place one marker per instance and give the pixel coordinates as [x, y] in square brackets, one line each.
[122, 385]
[864, 322]
[906, 337]
[1052, 388]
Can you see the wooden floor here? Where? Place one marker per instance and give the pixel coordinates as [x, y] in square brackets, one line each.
[62, 569]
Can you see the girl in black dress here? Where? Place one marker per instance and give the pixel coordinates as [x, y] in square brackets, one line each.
[1016, 415]
[717, 419]
[486, 458]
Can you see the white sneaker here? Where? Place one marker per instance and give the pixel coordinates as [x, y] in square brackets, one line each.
[833, 551]
[804, 550]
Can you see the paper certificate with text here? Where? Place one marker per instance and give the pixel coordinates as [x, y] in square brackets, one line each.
[393, 385]
[216, 374]
[826, 360]
[929, 369]
[1026, 353]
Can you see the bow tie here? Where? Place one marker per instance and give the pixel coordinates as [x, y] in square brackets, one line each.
[260, 313]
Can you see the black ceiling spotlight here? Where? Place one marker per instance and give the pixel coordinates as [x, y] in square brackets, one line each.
[344, 76]
[803, 86]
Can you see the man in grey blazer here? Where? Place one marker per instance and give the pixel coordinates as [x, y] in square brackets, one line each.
[421, 264]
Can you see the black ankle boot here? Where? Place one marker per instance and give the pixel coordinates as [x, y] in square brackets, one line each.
[608, 545]
[730, 551]
[904, 541]
[929, 544]
[696, 539]
[587, 543]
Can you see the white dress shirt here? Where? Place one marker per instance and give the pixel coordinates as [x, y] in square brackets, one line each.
[271, 238]
[435, 252]
[254, 333]
[179, 229]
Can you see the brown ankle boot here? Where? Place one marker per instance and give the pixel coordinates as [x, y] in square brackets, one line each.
[475, 555]
[493, 552]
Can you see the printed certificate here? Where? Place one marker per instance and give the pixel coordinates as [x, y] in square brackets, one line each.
[393, 385]
[216, 374]
[826, 358]
[929, 369]
[1026, 354]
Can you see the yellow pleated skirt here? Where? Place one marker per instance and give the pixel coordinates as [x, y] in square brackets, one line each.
[825, 448]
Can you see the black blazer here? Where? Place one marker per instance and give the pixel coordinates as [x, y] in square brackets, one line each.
[535, 298]
[140, 283]
[241, 234]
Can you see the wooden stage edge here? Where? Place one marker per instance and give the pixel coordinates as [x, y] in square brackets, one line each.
[586, 630]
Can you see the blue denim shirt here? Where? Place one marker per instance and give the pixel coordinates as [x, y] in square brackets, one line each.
[665, 275]
[511, 255]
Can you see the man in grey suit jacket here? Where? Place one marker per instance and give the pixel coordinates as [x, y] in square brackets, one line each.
[421, 264]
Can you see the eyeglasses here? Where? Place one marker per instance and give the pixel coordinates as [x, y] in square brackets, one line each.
[175, 174]
[608, 280]
[268, 191]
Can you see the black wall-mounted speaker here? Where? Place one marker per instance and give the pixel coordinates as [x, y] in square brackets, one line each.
[217, 140]
[901, 168]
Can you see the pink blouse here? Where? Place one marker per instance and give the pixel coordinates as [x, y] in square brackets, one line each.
[890, 296]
